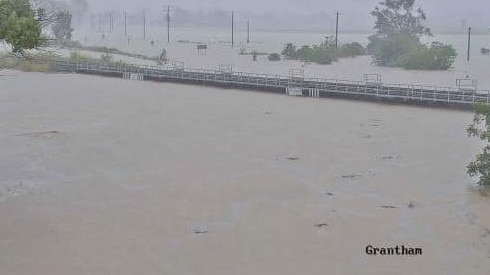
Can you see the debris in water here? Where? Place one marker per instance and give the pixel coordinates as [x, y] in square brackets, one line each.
[389, 207]
[293, 158]
[353, 176]
[14, 190]
[321, 225]
[486, 233]
[386, 157]
[367, 136]
[199, 230]
[41, 134]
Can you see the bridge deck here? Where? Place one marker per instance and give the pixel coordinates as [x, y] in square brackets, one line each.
[314, 87]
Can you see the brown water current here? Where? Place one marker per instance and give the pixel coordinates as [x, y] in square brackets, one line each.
[106, 176]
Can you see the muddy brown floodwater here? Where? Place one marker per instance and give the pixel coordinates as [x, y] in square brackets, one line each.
[106, 176]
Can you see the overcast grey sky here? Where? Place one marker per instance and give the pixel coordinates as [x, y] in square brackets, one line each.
[451, 6]
[441, 13]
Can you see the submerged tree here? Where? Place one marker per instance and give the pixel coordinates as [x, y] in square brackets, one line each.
[400, 17]
[399, 27]
[480, 127]
[289, 51]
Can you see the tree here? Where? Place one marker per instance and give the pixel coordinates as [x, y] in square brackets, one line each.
[289, 51]
[22, 33]
[19, 26]
[480, 127]
[399, 17]
[399, 27]
[8, 8]
[62, 29]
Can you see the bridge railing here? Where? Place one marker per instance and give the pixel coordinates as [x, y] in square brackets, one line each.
[324, 85]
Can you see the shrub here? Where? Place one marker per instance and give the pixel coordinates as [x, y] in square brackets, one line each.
[274, 57]
[306, 53]
[352, 50]
[324, 53]
[435, 57]
[389, 51]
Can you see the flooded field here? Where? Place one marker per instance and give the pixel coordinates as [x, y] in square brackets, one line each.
[106, 176]
[219, 53]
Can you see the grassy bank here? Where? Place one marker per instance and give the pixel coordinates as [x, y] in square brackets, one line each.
[44, 63]
[106, 50]
[31, 63]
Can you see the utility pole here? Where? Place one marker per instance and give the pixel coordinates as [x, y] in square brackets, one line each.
[232, 29]
[248, 31]
[469, 43]
[100, 22]
[168, 24]
[337, 32]
[144, 25]
[111, 22]
[125, 24]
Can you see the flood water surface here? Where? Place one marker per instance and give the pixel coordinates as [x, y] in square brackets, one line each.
[220, 53]
[106, 176]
